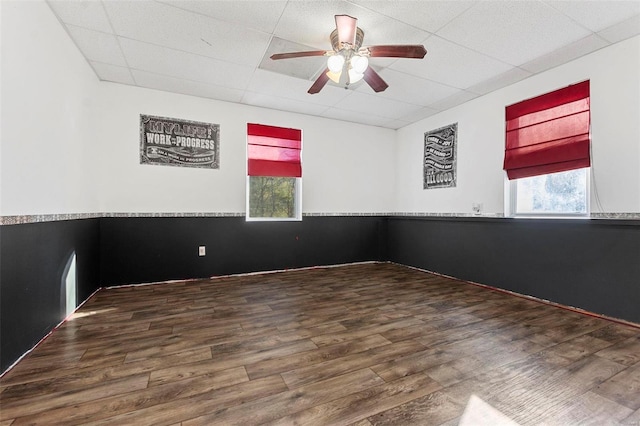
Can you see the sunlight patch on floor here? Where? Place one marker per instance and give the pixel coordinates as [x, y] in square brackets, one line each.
[479, 413]
[77, 315]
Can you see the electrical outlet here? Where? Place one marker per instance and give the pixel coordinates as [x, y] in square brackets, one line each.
[476, 208]
[202, 250]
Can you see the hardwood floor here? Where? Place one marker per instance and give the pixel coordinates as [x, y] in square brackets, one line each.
[366, 344]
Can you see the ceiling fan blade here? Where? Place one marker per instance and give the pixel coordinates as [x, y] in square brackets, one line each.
[346, 26]
[319, 83]
[374, 80]
[397, 51]
[298, 54]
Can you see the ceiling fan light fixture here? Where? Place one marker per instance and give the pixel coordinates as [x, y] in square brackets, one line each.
[334, 76]
[359, 63]
[355, 76]
[335, 63]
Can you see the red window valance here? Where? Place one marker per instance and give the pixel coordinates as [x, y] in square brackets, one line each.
[273, 151]
[548, 133]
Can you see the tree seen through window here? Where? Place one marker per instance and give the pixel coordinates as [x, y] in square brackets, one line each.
[272, 197]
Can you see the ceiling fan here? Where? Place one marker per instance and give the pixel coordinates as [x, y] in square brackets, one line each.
[348, 62]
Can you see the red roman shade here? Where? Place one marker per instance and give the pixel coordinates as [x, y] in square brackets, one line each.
[273, 151]
[548, 133]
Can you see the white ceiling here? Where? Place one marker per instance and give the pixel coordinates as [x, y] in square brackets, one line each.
[220, 49]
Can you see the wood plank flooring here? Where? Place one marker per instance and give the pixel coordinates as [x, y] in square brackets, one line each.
[365, 344]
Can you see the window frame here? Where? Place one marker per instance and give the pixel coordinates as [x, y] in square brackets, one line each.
[276, 152]
[511, 189]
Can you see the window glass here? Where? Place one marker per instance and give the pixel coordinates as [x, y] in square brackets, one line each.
[563, 193]
[272, 197]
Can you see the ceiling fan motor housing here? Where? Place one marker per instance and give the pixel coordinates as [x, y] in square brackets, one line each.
[337, 46]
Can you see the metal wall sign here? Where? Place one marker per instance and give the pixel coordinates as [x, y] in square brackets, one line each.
[175, 142]
[440, 157]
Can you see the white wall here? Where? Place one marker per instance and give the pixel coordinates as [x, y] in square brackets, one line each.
[346, 167]
[70, 144]
[46, 165]
[615, 126]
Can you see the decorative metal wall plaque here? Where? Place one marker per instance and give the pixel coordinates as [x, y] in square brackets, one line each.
[175, 142]
[440, 157]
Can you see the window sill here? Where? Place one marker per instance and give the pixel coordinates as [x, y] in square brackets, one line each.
[273, 219]
[551, 216]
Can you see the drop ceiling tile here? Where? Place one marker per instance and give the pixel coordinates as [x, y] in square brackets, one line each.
[597, 15]
[429, 16]
[97, 46]
[514, 32]
[451, 64]
[258, 15]
[268, 83]
[376, 105]
[456, 99]
[396, 124]
[282, 104]
[622, 31]
[565, 54]
[113, 73]
[304, 68]
[420, 114]
[357, 117]
[186, 87]
[311, 23]
[407, 88]
[164, 25]
[499, 81]
[174, 63]
[85, 14]
[295, 25]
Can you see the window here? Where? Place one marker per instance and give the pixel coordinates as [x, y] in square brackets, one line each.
[274, 172]
[547, 153]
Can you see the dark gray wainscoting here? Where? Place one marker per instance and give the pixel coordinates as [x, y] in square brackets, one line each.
[34, 258]
[149, 249]
[589, 264]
